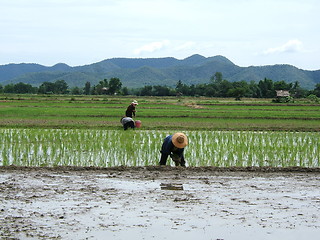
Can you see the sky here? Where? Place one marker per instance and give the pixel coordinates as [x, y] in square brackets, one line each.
[81, 32]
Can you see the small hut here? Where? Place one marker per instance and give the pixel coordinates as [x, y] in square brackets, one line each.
[282, 93]
[282, 96]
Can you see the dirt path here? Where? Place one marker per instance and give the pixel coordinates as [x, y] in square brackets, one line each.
[158, 203]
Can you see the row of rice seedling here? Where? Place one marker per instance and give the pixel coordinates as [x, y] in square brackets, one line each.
[276, 149]
[107, 148]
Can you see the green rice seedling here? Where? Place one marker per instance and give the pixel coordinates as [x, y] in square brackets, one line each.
[5, 157]
[106, 148]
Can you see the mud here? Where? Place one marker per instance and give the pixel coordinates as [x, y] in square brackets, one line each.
[159, 203]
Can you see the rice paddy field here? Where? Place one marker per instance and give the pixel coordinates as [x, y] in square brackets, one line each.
[68, 170]
[86, 131]
[109, 148]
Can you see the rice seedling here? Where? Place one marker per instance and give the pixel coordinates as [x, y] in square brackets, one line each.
[107, 148]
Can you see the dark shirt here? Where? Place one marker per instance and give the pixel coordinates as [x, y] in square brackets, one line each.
[168, 147]
[131, 111]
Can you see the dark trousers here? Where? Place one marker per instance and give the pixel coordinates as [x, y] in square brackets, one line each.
[128, 124]
[129, 114]
[164, 157]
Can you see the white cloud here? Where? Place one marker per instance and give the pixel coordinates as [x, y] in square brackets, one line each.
[290, 46]
[186, 45]
[152, 47]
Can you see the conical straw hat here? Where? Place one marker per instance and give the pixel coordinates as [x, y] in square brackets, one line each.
[179, 140]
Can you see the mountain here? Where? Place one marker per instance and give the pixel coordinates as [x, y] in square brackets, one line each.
[138, 72]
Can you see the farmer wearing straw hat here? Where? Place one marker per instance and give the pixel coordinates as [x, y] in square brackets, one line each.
[174, 145]
[131, 110]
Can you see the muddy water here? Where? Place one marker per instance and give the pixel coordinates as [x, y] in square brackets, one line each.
[158, 203]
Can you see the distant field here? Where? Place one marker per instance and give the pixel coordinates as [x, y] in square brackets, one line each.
[185, 113]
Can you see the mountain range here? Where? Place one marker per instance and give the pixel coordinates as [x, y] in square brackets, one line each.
[138, 72]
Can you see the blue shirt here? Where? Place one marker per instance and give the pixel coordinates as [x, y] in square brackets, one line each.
[168, 147]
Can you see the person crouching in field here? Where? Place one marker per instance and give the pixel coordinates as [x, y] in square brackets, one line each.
[131, 110]
[127, 122]
[174, 145]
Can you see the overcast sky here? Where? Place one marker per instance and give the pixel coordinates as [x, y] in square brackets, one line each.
[79, 32]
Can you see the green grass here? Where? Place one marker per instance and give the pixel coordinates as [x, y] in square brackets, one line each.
[104, 112]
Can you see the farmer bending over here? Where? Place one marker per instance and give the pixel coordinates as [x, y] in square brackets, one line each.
[131, 110]
[127, 122]
[174, 145]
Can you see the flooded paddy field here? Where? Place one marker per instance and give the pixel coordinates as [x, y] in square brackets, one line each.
[110, 148]
[159, 203]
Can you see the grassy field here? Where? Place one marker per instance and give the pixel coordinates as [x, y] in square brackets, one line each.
[184, 113]
[86, 131]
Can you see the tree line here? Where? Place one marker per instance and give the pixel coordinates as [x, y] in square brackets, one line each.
[111, 87]
[217, 87]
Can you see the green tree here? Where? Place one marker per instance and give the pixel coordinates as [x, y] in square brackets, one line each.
[179, 86]
[313, 98]
[316, 90]
[9, 88]
[223, 87]
[114, 86]
[298, 92]
[266, 87]
[239, 90]
[192, 90]
[182, 89]
[282, 85]
[87, 88]
[46, 87]
[254, 89]
[210, 90]
[76, 91]
[125, 91]
[23, 88]
[93, 90]
[146, 91]
[162, 91]
[102, 87]
[200, 89]
[237, 93]
[216, 78]
[60, 87]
